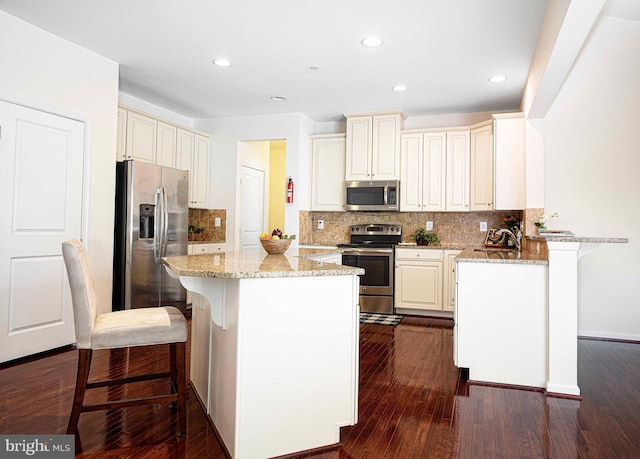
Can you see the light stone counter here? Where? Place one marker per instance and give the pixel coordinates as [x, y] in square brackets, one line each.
[253, 264]
[490, 255]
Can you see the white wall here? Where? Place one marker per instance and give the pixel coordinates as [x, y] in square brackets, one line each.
[50, 72]
[152, 109]
[592, 173]
[227, 132]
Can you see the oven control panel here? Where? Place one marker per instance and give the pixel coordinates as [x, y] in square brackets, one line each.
[377, 229]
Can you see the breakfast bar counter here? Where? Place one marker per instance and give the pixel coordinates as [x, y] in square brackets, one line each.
[274, 348]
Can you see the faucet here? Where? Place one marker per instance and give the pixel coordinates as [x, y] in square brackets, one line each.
[516, 239]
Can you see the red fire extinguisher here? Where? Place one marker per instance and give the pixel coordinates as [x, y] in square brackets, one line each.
[290, 191]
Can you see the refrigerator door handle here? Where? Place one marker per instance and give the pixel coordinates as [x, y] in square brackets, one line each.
[158, 219]
[165, 222]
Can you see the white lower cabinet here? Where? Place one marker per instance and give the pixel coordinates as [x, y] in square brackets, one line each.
[418, 279]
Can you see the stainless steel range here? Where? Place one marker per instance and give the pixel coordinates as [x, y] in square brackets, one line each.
[371, 248]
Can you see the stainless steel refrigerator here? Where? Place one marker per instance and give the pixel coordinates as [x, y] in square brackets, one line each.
[151, 221]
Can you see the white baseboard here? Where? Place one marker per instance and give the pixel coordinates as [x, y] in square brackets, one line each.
[609, 335]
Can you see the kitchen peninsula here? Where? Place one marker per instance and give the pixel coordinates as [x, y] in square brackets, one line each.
[535, 297]
[282, 355]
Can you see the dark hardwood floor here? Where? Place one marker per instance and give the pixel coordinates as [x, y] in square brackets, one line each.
[413, 404]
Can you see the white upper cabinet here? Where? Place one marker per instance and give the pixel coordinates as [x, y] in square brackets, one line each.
[327, 180]
[434, 171]
[166, 145]
[141, 138]
[481, 195]
[457, 171]
[373, 146]
[147, 139]
[199, 172]
[509, 192]
[121, 144]
[184, 149]
[411, 172]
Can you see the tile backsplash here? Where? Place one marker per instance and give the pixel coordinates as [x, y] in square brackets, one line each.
[205, 220]
[455, 229]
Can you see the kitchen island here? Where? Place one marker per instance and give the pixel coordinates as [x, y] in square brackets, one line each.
[281, 370]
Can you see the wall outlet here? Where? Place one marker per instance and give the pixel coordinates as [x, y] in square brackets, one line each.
[429, 226]
[483, 227]
[217, 221]
[320, 224]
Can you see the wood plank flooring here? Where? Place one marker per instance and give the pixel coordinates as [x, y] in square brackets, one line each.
[413, 404]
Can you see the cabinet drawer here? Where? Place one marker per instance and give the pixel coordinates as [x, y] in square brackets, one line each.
[216, 247]
[200, 249]
[419, 254]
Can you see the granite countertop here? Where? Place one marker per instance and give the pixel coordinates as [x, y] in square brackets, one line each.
[430, 247]
[597, 240]
[489, 255]
[252, 264]
[205, 242]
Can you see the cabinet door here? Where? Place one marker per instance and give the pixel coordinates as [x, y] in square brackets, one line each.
[449, 280]
[327, 181]
[199, 173]
[418, 285]
[411, 172]
[457, 171]
[434, 172]
[509, 163]
[184, 150]
[481, 193]
[121, 142]
[358, 150]
[141, 138]
[385, 148]
[166, 145]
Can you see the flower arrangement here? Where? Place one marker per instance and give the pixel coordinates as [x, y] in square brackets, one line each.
[542, 221]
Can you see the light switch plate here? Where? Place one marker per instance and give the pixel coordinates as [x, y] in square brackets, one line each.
[217, 221]
[483, 227]
[320, 224]
[429, 226]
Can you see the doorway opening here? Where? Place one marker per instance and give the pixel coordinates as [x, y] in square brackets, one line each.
[262, 192]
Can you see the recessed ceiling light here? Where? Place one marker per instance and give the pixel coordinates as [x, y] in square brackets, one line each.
[498, 79]
[278, 98]
[400, 88]
[221, 62]
[371, 42]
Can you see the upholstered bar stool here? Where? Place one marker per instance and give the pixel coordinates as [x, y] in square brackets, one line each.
[121, 329]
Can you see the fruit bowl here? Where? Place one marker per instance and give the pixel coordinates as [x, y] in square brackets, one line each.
[275, 246]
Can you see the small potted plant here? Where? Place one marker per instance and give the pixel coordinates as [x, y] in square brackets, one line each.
[422, 237]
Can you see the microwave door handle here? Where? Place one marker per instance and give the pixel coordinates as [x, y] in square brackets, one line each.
[386, 194]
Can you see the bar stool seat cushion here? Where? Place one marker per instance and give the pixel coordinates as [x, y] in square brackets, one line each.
[139, 327]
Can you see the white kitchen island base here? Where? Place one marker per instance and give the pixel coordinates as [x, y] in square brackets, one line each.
[283, 361]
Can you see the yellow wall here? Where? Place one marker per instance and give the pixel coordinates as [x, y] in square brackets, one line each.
[277, 185]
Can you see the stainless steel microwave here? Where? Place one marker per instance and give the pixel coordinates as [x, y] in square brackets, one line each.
[375, 195]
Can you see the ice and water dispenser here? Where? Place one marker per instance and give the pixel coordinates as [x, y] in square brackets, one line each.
[147, 222]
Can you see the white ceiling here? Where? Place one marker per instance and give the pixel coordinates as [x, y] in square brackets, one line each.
[443, 50]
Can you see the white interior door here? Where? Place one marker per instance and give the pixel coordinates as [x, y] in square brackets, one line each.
[252, 207]
[41, 164]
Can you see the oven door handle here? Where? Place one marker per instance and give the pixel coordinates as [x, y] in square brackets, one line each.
[366, 251]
